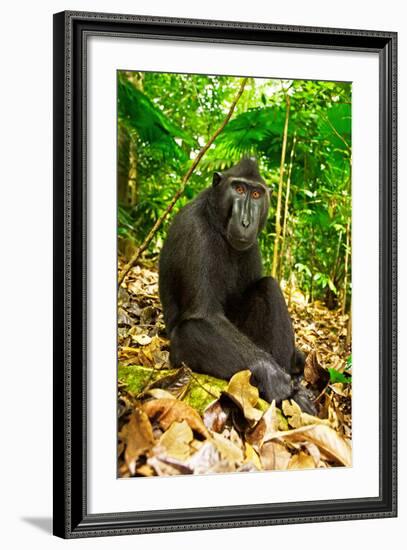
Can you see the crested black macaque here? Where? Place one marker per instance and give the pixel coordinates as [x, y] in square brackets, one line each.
[221, 314]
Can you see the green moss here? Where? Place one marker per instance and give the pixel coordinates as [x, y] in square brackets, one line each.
[136, 377]
[202, 390]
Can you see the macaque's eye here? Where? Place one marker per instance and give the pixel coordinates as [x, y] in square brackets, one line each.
[256, 194]
[240, 189]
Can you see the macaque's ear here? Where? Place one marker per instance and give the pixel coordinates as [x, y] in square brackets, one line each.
[217, 177]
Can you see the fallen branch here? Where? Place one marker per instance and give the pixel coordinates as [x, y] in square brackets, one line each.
[181, 189]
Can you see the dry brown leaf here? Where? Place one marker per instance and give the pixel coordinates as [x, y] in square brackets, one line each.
[222, 467]
[320, 332]
[313, 372]
[138, 437]
[274, 456]
[161, 359]
[267, 425]
[123, 470]
[142, 339]
[146, 315]
[325, 438]
[313, 451]
[148, 355]
[206, 458]
[134, 287]
[216, 415]
[252, 457]
[175, 384]
[167, 411]
[338, 388]
[168, 466]
[158, 393]
[234, 437]
[196, 444]
[145, 470]
[123, 318]
[301, 461]
[293, 412]
[244, 394]
[297, 418]
[227, 449]
[175, 442]
[247, 467]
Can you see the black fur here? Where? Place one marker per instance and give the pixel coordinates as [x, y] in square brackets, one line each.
[221, 315]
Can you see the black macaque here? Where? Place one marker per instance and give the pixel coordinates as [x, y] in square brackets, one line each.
[221, 314]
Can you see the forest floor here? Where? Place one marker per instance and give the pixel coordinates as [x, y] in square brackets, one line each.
[174, 421]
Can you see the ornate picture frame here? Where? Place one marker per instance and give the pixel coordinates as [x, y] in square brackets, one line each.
[72, 517]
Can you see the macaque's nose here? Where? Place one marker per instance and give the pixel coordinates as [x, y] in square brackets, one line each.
[245, 222]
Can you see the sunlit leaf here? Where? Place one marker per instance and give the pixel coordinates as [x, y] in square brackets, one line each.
[138, 437]
[274, 456]
[175, 384]
[325, 438]
[175, 441]
[227, 449]
[301, 461]
[167, 411]
[244, 394]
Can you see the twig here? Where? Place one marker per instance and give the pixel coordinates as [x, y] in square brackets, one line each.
[181, 189]
[140, 393]
[345, 282]
[335, 131]
[202, 386]
[320, 395]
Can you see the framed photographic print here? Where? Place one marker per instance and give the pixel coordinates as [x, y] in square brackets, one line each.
[224, 274]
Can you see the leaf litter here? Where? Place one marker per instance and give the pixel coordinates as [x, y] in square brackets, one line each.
[177, 422]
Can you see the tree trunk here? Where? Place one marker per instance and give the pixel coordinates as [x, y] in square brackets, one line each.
[287, 199]
[123, 158]
[132, 190]
[349, 330]
[127, 154]
[312, 262]
[291, 280]
[345, 282]
[280, 190]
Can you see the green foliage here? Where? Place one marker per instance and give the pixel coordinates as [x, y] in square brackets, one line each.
[125, 224]
[336, 376]
[139, 114]
[171, 116]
